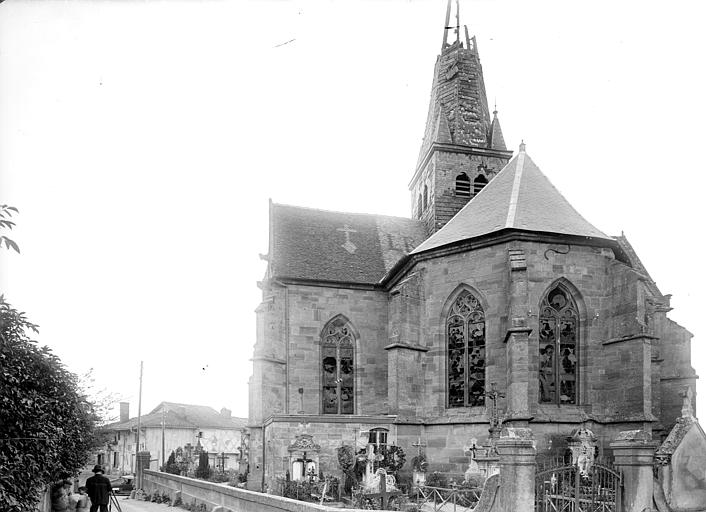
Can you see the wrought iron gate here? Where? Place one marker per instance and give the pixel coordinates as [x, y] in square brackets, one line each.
[565, 489]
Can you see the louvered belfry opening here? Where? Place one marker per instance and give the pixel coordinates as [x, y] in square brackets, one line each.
[463, 185]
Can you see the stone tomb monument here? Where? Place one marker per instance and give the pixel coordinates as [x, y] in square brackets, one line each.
[681, 464]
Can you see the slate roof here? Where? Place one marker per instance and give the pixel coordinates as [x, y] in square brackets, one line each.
[181, 416]
[520, 197]
[333, 246]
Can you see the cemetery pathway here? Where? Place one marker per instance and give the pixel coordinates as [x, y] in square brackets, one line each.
[127, 505]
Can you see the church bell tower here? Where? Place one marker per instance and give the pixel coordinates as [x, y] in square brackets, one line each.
[463, 147]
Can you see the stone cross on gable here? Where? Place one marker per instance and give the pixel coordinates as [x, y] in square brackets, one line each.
[348, 245]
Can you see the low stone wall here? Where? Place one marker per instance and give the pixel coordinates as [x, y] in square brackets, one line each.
[217, 495]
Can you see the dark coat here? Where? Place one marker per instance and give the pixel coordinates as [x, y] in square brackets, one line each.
[98, 488]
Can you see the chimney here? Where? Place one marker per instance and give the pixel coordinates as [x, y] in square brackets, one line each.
[124, 411]
[225, 413]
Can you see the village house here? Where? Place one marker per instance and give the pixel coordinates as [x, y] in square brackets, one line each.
[170, 426]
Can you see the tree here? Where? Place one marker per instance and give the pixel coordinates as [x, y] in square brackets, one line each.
[6, 213]
[46, 423]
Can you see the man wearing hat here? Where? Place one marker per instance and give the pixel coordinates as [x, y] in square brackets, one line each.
[99, 489]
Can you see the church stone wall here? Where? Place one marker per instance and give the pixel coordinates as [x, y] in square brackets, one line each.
[615, 359]
[327, 435]
[310, 309]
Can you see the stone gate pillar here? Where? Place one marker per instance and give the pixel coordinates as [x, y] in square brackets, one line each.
[634, 456]
[143, 462]
[517, 470]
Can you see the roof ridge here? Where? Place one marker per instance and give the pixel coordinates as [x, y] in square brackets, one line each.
[361, 214]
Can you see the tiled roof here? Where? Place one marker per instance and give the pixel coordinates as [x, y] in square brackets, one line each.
[335, 246]
[520, 197]
[181, 416]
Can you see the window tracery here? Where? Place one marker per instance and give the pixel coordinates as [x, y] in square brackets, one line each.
[465, 334]
[558, 348]
[337, 366]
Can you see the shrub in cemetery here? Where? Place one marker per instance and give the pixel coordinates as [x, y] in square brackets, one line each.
[437, 479]
[203, 471]
[171, 465]
[346, 461]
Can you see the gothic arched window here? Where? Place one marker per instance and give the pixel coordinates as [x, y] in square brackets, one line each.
[478, 183]
[337, 368]
[558, 348]
[463, 185]
[465, 336]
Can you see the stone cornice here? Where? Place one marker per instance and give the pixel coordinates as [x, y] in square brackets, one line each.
[408, 346]
[645, 337]
[269, 359]
[327, 284]
[516, 330]
[330, 418]
[408, 262]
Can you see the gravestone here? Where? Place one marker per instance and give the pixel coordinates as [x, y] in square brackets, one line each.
[681, 463]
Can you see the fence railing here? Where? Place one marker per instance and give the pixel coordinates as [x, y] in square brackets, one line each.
[458, 499]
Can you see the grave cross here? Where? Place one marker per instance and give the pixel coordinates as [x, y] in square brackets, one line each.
[419, 445]
[223, 458]
[383, 493]
[494, 394]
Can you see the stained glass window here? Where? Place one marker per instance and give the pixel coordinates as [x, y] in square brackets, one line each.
[558, 348]
[465, 337]
[337, 368]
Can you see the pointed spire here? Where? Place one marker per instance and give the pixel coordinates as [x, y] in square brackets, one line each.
[443, 133]
[459, 91]
[522, 146]
[497, 141]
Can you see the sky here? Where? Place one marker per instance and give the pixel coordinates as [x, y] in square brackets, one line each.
[141, 142]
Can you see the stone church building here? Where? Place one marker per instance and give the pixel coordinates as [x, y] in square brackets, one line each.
[495, 302]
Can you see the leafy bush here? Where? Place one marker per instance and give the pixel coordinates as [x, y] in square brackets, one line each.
[437, 479]
[48, 424]
[203, 471]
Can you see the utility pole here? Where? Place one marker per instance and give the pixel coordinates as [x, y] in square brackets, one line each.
[162, 436]
[139, 416]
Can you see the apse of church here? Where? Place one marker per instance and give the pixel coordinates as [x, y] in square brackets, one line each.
[496, 304]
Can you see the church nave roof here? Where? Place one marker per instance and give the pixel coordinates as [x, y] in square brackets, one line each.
[321, 245]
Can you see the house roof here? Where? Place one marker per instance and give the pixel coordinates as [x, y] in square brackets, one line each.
[178, 415]
[333, 246]
[520, 197]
